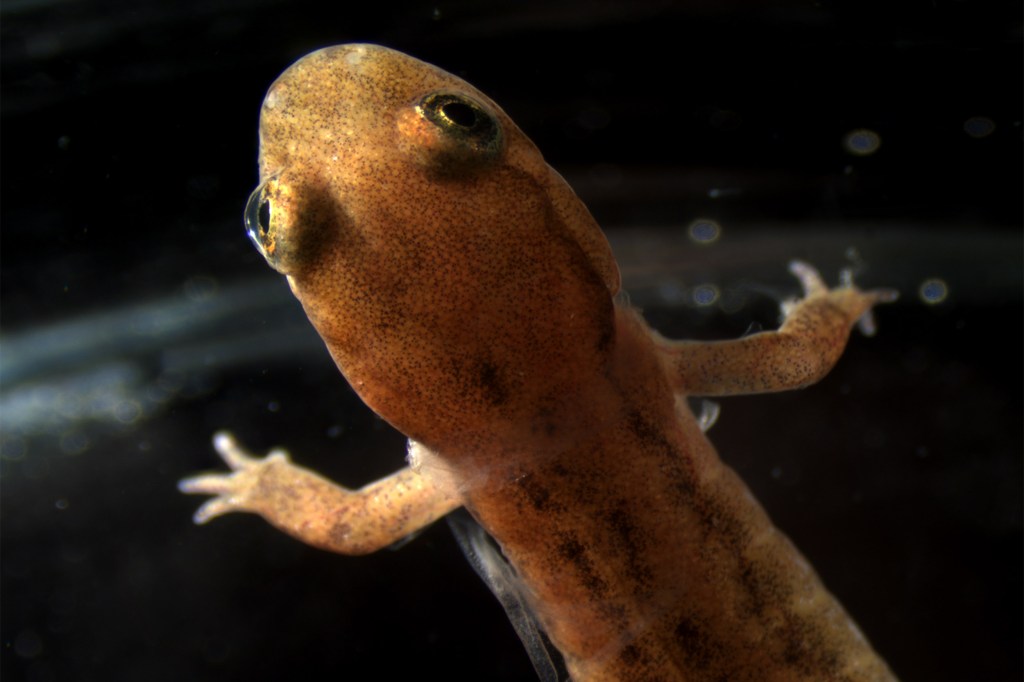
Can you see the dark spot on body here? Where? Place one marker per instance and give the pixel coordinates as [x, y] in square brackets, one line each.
[719, 524]
[537, 493]
[674, 465]
[630, 654]
[489, 380]
[616, 614]
[766, 593]
[631, 545]
[683, 488]
[756, 586]
[806, 650]
[575, 553]
[702, 651]
[640, 428]
[545, 422]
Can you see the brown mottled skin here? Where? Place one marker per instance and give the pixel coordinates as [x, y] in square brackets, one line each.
[469, 298]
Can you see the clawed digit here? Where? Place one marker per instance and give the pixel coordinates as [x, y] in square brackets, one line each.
[813, 285]
[229, 489]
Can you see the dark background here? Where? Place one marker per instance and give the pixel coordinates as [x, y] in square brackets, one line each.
[137, 319]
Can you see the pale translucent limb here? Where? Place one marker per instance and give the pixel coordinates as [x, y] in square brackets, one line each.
[494, 569]
[709, 413]
[803, 350]
[313, 509]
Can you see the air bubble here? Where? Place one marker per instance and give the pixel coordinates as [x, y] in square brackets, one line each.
[127, 411]
[704, 231]
[705, 294]
[979, 126]
[862, 142]
[933, 291]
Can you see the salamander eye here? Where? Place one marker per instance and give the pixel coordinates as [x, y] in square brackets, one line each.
[257, 219]
[464, 121]
[266, 223]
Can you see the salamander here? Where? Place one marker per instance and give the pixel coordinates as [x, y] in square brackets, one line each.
[470, 299]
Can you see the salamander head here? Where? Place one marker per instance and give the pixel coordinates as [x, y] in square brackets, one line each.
[446, 266]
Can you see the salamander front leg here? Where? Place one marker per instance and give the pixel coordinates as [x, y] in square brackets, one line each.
[313, 509]
[802, 351]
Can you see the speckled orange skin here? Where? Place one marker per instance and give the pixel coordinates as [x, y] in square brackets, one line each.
[468, 297]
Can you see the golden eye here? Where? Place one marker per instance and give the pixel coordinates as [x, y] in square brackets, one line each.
[257, 220]
[466, 122]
